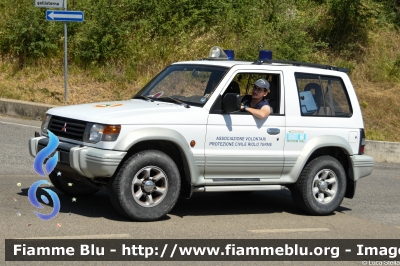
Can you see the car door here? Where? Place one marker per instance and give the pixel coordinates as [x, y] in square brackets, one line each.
[240, 147]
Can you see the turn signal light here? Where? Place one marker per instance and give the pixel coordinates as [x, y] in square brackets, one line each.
[112, 129]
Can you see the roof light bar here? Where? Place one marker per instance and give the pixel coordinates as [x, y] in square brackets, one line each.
[217, 53]
[230, 54]
[265, 55]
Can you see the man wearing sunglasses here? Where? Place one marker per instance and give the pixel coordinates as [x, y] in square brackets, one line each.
[256, 104]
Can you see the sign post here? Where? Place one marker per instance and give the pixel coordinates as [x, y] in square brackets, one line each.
[62, 16]
[65, 58]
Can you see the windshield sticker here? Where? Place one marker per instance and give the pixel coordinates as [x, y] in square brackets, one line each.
[240, 141]
[205, 97]
[296, 136]
[158, 94]
[107, 105]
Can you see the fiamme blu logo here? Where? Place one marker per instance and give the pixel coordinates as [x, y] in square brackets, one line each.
[45, 169]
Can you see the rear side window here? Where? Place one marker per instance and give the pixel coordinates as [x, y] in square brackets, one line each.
[322, 96]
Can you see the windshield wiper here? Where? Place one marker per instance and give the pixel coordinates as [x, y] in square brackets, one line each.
[143, 97]
[176, 100]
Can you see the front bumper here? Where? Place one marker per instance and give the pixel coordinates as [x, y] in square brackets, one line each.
[362, 166]
[86, 161]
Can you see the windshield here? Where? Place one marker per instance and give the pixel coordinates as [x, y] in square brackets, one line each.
[191, 84]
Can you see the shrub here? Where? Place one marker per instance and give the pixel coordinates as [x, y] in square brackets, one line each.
[25, 33]
[346, 26]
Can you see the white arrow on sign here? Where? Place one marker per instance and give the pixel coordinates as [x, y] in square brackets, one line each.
[64, 16]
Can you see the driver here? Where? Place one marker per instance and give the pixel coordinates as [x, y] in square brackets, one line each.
[256, 104]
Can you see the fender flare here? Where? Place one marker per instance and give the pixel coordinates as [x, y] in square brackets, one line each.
[313, 145]
[157, 133]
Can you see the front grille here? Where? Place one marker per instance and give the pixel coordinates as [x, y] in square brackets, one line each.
[74, 129]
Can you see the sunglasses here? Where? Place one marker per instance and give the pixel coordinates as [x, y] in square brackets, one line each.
[257, 89]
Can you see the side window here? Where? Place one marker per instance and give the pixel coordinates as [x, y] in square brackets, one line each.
[242, 84]
[322, 96]
[336, 99]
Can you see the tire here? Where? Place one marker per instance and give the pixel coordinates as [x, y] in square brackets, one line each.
[62, 183]
[134, 193]
[321, 186]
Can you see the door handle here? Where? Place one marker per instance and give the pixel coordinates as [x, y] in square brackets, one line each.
[273, 131]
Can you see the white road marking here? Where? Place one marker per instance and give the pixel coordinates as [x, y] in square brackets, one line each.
[81, 237]
[289, 230]
[18, 124]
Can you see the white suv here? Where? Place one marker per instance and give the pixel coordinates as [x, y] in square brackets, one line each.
[184, 133]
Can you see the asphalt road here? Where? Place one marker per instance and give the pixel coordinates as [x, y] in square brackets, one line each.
[374, 213]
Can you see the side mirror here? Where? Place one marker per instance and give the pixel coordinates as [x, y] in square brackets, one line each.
[231, 102]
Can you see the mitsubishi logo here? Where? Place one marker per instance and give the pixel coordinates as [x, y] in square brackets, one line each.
[64, 127]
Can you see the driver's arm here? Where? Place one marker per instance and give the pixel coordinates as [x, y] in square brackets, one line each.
[259, 113]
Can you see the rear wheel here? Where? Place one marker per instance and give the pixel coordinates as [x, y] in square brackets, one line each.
[321, 186]
[147, 186]
[70, 186]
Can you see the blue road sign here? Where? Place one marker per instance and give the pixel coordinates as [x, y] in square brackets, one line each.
[66, 16]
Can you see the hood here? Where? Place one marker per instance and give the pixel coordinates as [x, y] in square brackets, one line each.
[134, 111]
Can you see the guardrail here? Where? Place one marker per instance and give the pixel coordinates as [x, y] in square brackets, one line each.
[34, 111]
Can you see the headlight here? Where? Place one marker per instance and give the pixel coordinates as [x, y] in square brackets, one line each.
[97, 132]
[45, 123]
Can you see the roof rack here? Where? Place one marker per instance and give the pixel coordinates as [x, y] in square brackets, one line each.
[295, 63]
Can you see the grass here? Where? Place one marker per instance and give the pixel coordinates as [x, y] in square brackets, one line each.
[375, 77]
[377, 84]
[43, 84]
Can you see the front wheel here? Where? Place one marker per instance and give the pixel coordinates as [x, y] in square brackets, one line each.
[147, 186]
[321, 186]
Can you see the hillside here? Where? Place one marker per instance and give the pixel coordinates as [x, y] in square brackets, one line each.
[123, 43]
